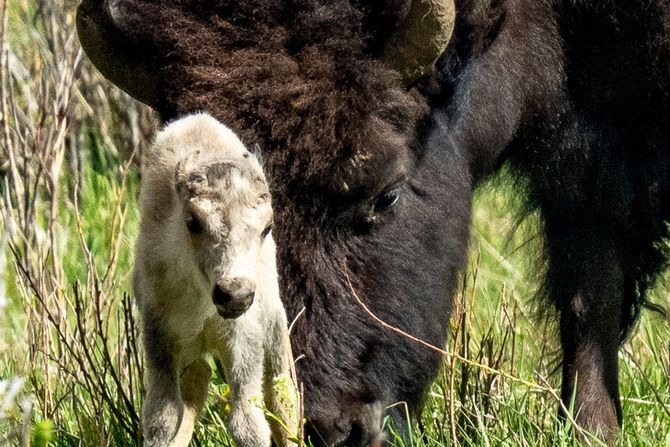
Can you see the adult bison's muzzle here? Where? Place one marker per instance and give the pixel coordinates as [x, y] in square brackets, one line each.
[361, 427]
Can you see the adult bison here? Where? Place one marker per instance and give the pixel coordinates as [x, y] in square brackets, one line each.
[372, 152]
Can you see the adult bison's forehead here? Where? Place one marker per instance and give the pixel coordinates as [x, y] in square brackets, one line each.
[300, 79]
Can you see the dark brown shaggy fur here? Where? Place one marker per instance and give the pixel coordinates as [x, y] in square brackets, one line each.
[287, 75]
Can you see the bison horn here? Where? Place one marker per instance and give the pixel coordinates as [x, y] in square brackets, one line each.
[421, 38]
[119, 59]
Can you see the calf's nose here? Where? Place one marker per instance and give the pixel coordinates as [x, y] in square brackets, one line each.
[233, 297]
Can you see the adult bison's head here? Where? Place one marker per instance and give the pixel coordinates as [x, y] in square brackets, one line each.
[365, 205]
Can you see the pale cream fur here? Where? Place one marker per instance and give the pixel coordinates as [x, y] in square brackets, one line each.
[175, 273]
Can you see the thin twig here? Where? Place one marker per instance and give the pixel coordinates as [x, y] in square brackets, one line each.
[432, 347]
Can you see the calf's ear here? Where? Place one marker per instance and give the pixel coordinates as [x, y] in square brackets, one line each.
[128, 64]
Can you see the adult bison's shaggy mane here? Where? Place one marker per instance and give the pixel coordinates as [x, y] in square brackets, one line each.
[301, 77]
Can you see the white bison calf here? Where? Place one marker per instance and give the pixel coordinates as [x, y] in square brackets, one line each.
[206, 282]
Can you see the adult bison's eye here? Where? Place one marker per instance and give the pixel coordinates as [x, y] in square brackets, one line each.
[371, 212]
[387, 200]
[266, 231]
[193, 224]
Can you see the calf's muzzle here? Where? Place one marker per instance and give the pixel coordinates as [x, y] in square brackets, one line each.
[233, 297]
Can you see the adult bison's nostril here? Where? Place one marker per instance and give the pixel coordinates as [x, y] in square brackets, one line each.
[233, 298]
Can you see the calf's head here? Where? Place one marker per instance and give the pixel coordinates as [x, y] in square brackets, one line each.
[366, 206]
[224, 210]
[227, 216]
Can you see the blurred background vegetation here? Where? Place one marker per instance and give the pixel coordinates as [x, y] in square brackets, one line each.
[70, 361]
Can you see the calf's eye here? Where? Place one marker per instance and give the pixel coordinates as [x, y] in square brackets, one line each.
[193, 224]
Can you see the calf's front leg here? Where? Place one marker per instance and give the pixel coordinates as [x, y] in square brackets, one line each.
[241, 355]
[193, 388]
[163, 408]
[173, 399]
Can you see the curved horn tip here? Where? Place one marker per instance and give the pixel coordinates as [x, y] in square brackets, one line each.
[114, 55]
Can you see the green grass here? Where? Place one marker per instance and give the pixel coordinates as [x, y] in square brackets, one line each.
[67, 328]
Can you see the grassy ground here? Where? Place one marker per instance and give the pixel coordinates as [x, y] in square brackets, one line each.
[70, 364]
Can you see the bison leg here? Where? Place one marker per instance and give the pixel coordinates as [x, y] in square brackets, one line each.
[163, 408]
[170, 411]
[194, 381]
[241, 355]
[586, 279]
